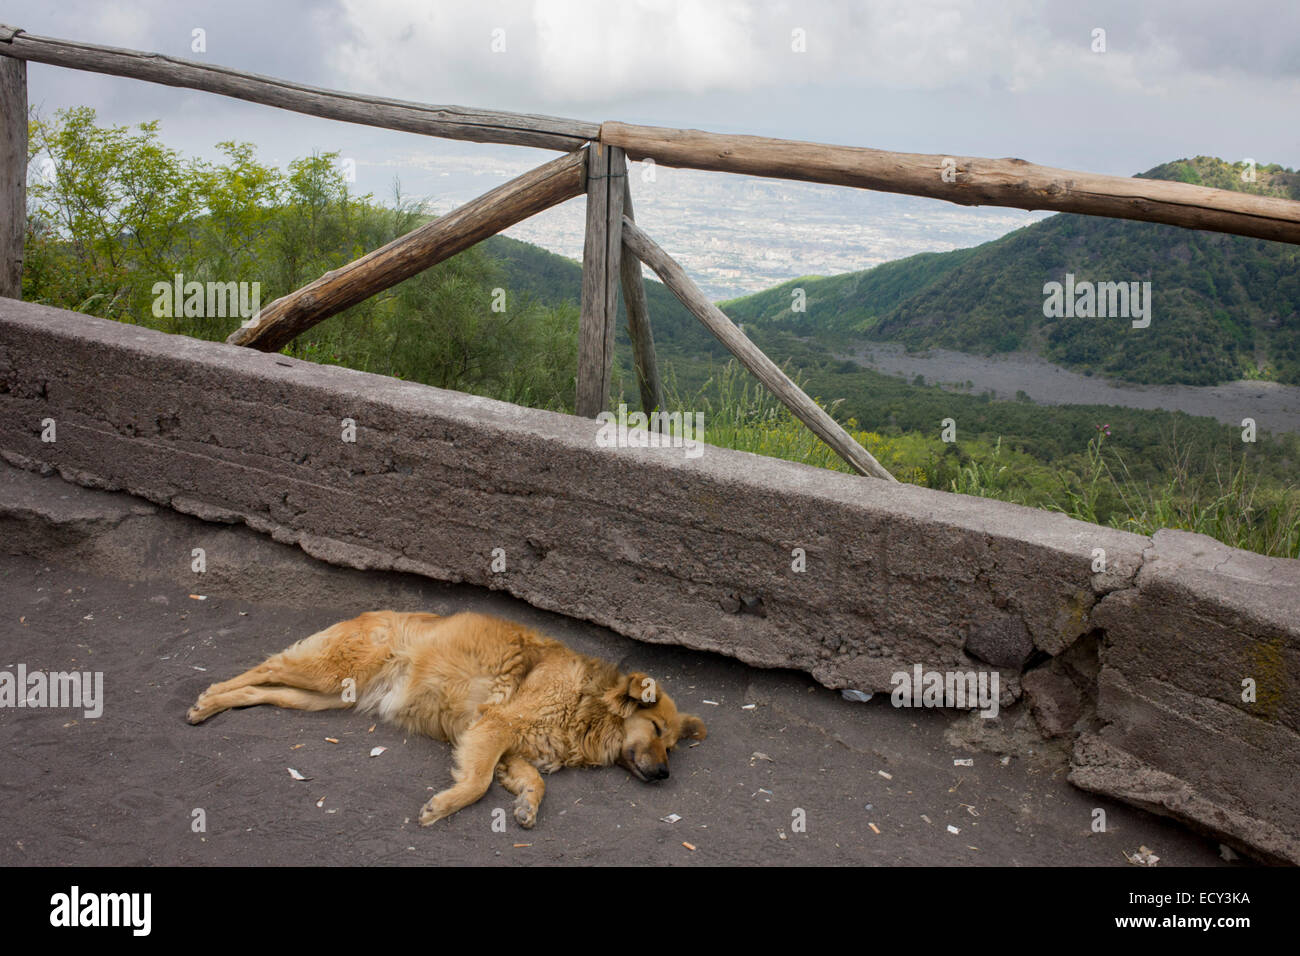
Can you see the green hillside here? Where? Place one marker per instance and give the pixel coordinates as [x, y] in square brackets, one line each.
[121, 211]
[1223, 307]
[850, 301]
[553, 280]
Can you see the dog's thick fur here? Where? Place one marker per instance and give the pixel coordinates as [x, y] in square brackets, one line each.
[509, 700]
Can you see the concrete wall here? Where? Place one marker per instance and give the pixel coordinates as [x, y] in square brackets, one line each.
[697, 551]
[1206, 629]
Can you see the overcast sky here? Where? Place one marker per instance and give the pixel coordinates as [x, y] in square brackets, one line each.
[1008, 78]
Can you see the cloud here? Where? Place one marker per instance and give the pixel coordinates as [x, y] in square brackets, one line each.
[547, 49]
[586, 56]
[579, 53]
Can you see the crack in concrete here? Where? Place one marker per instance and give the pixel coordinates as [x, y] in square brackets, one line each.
[1220, 564]
[1131, 583]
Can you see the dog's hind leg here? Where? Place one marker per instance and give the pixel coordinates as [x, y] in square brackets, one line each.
[338, 661]
[477, 753]
[289, 697]
[523, 780]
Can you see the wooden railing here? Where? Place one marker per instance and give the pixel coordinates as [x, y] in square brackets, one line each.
[596, 163]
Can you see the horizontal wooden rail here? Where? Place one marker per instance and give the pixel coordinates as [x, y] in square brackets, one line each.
[291, 315]
[964, 180]
[450, 122]
[750, 355]
[970, 181]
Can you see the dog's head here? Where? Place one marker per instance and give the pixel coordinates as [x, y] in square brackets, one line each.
[652, 726]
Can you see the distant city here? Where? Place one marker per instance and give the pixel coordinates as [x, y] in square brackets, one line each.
[733, 234]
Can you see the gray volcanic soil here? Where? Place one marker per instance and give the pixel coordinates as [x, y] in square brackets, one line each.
[90, 580]
[1274, 407]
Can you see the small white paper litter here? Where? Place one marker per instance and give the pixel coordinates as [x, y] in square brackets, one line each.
[671, 818]
[375, 752]
[712, 703]
[1143, 857]
[963, 761]
[296, 775]
[887, 776]
[953, 829]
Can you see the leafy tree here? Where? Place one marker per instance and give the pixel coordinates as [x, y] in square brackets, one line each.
[113, 211]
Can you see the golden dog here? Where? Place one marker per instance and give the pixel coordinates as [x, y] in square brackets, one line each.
[508, 699]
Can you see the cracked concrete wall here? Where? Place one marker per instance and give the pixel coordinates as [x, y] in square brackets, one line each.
[652, 543]
[1199, 696]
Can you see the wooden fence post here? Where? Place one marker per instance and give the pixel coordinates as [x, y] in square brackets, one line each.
[638, 320]
[13, 174]
[606, 172]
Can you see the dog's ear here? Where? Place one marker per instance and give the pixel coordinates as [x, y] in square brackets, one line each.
[692, 728]
[630, 692]
[644, 690]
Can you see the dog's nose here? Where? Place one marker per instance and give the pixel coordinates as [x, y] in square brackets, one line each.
[660, 774]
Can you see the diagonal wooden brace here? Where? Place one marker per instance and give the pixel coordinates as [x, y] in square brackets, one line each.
[291, 315]
[750, 355]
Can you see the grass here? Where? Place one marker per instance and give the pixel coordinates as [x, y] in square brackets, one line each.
[1226, 502]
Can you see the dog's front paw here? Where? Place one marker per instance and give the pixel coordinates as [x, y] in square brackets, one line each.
[525, 812]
